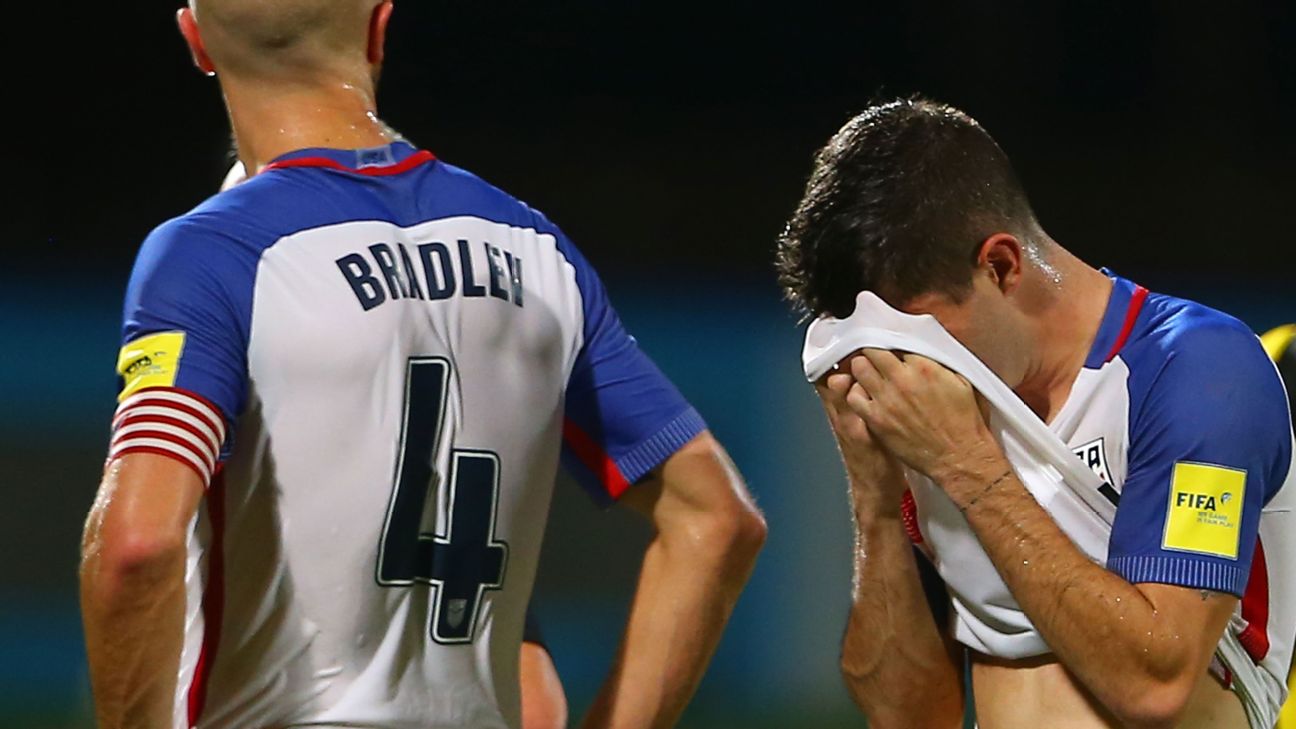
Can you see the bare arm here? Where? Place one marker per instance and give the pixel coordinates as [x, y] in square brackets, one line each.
[898, 664]
[708, 532]
[544, 705]
[1140, 649]
[132, 588]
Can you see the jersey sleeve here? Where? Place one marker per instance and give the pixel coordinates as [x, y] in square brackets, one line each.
[623, 417]
[182, 366]
[1209, 446]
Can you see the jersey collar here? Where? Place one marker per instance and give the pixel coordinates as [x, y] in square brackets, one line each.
[389, 159]
[1123, 307]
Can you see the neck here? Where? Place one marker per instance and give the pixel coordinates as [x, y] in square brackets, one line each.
[1075, 299]
[270, 121]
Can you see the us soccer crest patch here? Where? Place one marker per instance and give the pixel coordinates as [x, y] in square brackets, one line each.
[1094, 455]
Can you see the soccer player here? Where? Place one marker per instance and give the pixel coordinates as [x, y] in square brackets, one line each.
[346, 384]
[1190, 621]
[544, 704]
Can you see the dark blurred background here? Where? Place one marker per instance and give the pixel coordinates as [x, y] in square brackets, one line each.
[670, 140]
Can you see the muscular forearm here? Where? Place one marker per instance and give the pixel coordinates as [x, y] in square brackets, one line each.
[896, 663]
[1135, 659]
[688, 585]
[133, 554]
[133, 617]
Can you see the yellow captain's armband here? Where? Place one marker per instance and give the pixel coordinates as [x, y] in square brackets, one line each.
[150, 361]
[1204, 515]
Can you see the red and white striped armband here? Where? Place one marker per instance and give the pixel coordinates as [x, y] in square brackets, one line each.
[171, 422]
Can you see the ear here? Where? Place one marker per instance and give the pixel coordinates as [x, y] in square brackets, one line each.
[189, 29]
[1000, 257]
[378, 31]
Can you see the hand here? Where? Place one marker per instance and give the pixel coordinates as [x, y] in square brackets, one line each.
[876, 477]
[928, 416]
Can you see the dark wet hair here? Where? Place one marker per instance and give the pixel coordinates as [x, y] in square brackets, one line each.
[898, 203]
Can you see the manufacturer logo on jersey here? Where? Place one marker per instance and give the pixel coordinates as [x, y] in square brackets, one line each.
[150, 361]
[1094, 455]
[1204, 514]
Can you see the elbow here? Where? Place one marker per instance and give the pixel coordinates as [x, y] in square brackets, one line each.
[1156, 704]
[720, 518]
[855, 675]
[860, 673]
[748, 532]
[922, 702]
[117, 560]
[734, 532]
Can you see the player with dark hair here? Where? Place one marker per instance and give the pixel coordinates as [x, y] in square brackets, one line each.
[1189, 621]
[346, 385]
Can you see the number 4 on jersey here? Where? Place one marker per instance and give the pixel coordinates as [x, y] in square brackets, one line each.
[462, 559]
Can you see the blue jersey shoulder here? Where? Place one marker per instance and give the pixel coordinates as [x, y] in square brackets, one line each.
[1207, 414]
[1187, 356]
[1170, 327]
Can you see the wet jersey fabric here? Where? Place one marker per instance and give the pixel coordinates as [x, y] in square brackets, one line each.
[376, 361]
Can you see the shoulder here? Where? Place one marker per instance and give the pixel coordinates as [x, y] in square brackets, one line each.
[1181, 343]
[465, 193]
[1200, 378]
[205, 243]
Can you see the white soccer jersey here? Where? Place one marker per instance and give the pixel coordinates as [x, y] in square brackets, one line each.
[1184, 418]
[376, 360]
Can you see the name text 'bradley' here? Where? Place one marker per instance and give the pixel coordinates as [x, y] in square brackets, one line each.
[390, 272]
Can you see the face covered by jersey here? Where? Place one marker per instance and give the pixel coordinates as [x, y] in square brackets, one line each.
[1178, 412]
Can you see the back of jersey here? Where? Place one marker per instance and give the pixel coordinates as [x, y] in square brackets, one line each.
[388, 356]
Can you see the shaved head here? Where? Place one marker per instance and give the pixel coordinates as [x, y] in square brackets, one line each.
[286, 39]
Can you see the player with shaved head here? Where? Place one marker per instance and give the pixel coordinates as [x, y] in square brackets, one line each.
[346, 385]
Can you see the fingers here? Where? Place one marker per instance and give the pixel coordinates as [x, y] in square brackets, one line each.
[863, 372]
[859, 401]
[836, 389]
[885, 362]
[839, 383]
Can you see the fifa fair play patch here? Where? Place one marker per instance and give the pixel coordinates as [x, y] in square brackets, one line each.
[150, 361]
[1205, 510]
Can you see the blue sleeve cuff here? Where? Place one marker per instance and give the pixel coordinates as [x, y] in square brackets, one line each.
[656, 450]
[1181, 571]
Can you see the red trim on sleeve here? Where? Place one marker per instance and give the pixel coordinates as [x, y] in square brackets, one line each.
[136, 418]
[595, 459]
[404, 165]
[204, 456]
[145, 421]
[909, 514]
[213, 602]
[141, 400]
[1131, 315]
[129, 450]
[1255, 608]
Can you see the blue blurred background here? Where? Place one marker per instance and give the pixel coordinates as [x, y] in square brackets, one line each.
[670, 140]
